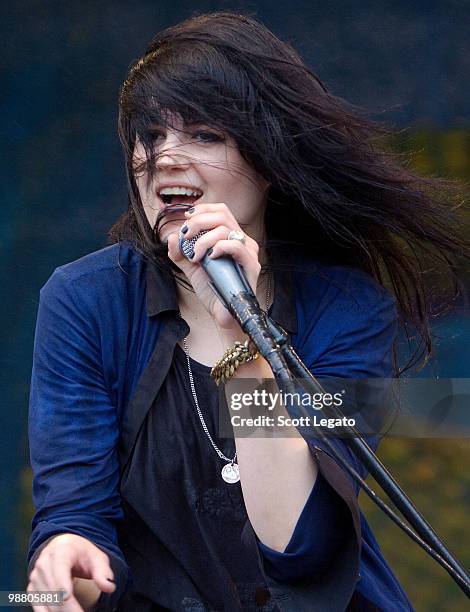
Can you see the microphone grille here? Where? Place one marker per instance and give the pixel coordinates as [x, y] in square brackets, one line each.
[187, 246]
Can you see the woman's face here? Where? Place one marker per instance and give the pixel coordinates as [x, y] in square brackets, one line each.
[208, 162]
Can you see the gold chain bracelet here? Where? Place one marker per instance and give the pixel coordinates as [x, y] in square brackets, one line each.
[232, 359]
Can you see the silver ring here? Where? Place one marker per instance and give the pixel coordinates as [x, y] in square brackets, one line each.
[237, 235]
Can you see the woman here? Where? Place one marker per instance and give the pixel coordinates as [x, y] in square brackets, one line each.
[139, 506]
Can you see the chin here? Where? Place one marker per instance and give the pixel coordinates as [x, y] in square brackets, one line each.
[171, 227]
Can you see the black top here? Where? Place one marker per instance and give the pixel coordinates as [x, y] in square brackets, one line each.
[98, 367]
[182, 535]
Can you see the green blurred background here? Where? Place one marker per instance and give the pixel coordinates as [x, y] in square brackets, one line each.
[63, 184]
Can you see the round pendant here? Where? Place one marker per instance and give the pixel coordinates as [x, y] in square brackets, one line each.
[231, 473]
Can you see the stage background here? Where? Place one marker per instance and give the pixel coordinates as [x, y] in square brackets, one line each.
[63, 186]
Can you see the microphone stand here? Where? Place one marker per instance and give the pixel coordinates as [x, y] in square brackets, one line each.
[271, 341]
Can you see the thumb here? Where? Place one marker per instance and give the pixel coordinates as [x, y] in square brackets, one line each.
[176, 256]
[102, 575]
[174, 250]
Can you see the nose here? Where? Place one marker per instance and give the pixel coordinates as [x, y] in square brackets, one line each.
[171, 153]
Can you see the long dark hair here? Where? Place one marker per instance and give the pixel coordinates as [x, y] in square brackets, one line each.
[329, 166]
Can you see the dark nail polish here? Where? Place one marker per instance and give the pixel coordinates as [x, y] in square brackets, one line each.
[190, 210]
[209, 251]
[184, 229]
[191, 255]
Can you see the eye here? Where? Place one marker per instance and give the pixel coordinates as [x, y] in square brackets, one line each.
[154, 135]
[207, 136]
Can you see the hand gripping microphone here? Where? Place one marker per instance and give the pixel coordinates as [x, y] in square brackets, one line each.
[227, 278]
[229, 283]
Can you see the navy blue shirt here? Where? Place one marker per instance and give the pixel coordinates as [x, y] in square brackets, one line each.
[105, 337]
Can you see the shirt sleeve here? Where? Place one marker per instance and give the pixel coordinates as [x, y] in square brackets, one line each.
[362, 351]
[317, 537]
[73, 431]
[322, 558]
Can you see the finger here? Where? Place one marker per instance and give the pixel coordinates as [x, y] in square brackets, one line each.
[208, 240]
[207, 207]
[92, 564]
[174, 251]
[33, 586]
[177, 257]
[44, 577]
[70, 605]
[243, 253]
[246, 258]
[208, 221]
[59, 571]
[211, 220]
[102, 573]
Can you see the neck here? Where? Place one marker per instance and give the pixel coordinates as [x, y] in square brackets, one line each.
[187, 300]
[257, 231]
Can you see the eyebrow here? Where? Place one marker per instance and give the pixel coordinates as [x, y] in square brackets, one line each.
[158, 126]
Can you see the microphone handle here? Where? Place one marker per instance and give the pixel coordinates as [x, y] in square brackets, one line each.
[229, 283]
[227, 278]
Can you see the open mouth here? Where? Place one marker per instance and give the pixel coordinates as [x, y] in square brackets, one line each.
[167, 212]
[174, 201]
[179, 196]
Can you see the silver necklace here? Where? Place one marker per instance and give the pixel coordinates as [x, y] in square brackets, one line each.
[230, 472]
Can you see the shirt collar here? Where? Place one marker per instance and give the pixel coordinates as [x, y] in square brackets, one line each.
[161, 291]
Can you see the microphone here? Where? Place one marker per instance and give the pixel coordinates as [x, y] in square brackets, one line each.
[229, 283]
[227, 278]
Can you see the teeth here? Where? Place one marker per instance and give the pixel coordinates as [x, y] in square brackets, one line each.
[179, 191]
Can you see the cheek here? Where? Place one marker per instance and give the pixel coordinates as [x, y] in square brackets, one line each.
[148, 199]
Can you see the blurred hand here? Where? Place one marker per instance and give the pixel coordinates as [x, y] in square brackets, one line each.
[65, 558]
